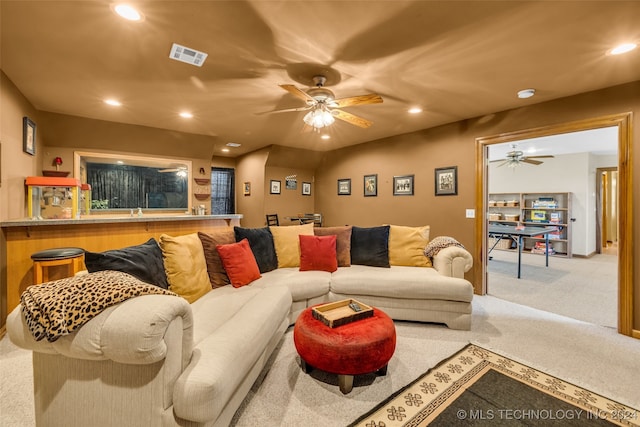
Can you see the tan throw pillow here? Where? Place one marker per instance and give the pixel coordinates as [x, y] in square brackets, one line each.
[343, 242]
[185, 265]
[287, 243]
[406, 246]
[217, 274]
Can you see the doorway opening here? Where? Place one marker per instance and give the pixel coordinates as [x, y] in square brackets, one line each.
[624, 199]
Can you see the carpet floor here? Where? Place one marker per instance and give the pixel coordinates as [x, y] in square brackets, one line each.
[589, 356]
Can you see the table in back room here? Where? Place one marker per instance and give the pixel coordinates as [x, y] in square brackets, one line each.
[519, 233]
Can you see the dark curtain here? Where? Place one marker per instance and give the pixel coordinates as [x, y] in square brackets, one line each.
[222, 191]
[131, 187]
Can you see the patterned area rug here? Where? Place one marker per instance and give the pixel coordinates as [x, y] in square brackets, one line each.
[478, 387]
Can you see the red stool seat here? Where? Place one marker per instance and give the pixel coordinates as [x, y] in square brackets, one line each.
[359, 347]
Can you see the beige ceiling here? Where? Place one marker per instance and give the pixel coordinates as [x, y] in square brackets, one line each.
[455, 59]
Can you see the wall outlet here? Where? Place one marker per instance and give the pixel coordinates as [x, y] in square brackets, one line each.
[470, 213]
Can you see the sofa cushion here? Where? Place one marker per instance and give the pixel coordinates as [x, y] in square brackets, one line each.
[318, 253]
[239, 263]
[343, 242]
[261, 242]
[407, 244]
[286, 243]
[370, 246]
[185, 265]
[144, 262]
[217, 274]
[303, 285]
[400, 282]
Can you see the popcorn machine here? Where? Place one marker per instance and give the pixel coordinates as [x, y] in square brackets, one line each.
[53, 197]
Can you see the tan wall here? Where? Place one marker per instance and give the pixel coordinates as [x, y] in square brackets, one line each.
[289, 203]
[251, 168]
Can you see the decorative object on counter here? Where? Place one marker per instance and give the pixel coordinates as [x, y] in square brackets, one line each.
[85, 199]
[139, 211]
[28, 136]
[403, 185]
[53, 198]
[446, 181]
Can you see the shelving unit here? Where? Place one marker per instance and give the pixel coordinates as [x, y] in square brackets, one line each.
[535, 209]
[202, 189]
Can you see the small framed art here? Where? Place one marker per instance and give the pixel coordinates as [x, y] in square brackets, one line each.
[370, 185]
[28, 136]
[306, 188]
[403, 185]
[344, 187]
[246, 189]
[446, 181]
[275, 186]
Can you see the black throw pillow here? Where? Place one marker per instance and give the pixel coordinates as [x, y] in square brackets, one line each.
[144, 262]
[370, 246]
[261, 243]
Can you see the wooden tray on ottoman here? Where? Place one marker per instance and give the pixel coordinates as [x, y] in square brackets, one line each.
[339, 313]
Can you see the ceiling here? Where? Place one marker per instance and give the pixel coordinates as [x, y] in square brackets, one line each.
[455, 59]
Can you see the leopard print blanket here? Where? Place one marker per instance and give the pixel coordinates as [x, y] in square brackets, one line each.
[54, 309]
[439, 243]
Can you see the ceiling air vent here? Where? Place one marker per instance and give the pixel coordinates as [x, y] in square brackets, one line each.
[188, 55]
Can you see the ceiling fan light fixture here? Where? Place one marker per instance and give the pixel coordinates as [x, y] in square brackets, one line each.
[127, 12]
[319, 118]
[623, 48]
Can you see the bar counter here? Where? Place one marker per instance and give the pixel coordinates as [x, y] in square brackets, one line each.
[96, 233]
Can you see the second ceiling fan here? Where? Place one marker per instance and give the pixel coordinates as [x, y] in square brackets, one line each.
[324, 108]
[514, 157]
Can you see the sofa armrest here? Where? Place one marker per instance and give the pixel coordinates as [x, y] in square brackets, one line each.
[132, 332]
[453, 261]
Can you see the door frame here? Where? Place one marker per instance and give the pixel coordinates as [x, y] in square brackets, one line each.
[625, 203]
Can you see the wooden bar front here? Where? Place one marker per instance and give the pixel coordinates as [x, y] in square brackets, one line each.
[92, 235]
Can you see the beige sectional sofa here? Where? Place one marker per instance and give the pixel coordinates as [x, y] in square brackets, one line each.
[162, 361]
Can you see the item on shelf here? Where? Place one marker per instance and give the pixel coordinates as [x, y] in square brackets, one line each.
[512, 203]
[538, 216]
[541, 248]
[544, 202]
[512, 217]
[495, 216]
[504, 243]
[492, 203]
[500, 203]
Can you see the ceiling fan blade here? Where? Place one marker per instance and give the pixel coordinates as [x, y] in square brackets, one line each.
[504, 162]
[371, 98]
[350, 118]
[299, 93]
[499, 160]
[540, 157]
[532, 162]
[286, 110]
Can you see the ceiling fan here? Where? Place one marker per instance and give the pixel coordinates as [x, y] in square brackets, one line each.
[180, 171]
[323, 107]
[514, 157]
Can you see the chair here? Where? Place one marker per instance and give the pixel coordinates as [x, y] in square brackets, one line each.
[315, 218]
[272, 219]
[71, 257]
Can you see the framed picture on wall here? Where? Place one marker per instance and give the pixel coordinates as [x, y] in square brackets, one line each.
[306, 188]
[275, 186]
[344, 187]
[446, 181]
[28, 136]
[246, 189]
[370, 185]
[403, 185]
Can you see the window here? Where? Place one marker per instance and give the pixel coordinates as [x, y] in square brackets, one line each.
[222, 191]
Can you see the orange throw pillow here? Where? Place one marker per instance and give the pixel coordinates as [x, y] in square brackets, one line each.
[239, 263]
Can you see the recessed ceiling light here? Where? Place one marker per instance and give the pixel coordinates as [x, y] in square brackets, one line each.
[233, 144]
[112, 102]
[414, 110]
[325, 136]
[127, 12]
[623, 48]
[186, 115]
[526, 93]
[225, 150]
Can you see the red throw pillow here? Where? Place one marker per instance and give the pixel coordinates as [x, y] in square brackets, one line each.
[239, 263]
[318, 253]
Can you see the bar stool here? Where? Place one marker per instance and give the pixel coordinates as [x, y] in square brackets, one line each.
[73, 258]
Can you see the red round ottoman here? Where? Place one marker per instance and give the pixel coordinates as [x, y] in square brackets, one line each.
[360, 347]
